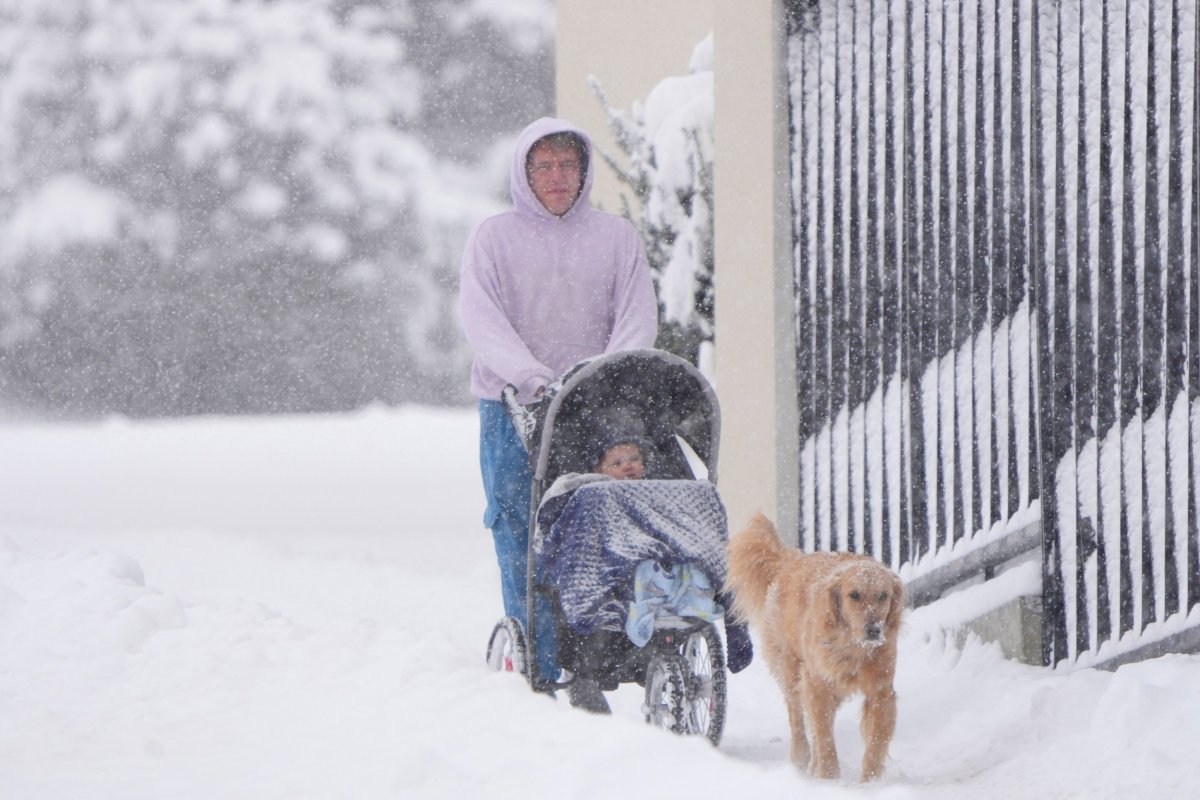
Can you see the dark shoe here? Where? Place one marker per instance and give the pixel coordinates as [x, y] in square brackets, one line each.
[585, 693]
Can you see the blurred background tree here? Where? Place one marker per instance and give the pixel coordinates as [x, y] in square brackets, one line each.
[253, 206]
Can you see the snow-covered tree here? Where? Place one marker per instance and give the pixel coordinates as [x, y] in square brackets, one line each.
[243, 205]
[668, 140]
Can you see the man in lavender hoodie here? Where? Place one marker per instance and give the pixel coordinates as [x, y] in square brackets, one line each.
[544, 285]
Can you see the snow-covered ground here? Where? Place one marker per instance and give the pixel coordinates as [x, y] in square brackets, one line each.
[297, 607]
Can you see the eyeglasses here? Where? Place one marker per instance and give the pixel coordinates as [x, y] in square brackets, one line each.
[545, 167]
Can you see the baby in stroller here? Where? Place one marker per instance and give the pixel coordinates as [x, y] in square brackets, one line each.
[632, 566]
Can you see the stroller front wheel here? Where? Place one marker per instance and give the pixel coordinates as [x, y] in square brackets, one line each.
[666, 687]
[506, 650]
[705, 698]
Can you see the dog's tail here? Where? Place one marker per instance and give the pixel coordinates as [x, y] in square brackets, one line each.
[755, 557]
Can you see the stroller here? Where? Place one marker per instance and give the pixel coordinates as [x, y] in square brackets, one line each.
[586, 563]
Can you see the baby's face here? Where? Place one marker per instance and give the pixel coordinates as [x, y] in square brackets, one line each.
[623, 462]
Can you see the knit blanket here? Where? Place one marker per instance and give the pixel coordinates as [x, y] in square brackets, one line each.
[606, 528]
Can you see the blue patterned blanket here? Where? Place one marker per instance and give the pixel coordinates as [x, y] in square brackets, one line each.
[605, 528]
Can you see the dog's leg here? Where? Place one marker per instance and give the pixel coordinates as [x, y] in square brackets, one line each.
[878, 725]
[821, 704]
[801, 754]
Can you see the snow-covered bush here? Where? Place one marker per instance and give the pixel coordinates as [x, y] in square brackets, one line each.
[668, 140]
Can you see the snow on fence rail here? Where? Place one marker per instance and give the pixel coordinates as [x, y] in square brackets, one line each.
[997, 295]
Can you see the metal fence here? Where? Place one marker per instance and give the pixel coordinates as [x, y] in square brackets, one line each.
[996, 294]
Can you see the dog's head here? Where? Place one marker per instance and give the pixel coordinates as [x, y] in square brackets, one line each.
[868, 599]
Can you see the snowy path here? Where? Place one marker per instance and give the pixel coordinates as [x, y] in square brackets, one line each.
[297, 608]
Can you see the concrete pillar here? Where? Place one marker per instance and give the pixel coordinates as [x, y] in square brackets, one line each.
[755, 319]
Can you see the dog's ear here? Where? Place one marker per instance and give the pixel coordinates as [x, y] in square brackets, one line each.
[893, 616]
[834, 611]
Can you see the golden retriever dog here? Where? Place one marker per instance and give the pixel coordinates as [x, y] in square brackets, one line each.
[828, 624]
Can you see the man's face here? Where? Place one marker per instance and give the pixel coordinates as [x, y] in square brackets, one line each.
[555, 175]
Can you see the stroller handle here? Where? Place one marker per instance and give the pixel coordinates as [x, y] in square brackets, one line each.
[523, 418]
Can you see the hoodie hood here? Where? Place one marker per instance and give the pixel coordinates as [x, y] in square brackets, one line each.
[524, 200]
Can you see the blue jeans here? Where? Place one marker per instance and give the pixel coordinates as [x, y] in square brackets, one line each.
[507, 483]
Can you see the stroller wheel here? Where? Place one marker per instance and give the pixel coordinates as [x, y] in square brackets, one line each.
[506, 651]
[666, 681]
[705, 698]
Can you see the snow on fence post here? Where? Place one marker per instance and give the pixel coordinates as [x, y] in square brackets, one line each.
[1190, 389]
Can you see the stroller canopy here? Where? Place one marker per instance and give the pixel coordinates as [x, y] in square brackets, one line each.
[665, 398]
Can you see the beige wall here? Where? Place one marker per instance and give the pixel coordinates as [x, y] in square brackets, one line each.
[629, 46]
[755, 320]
